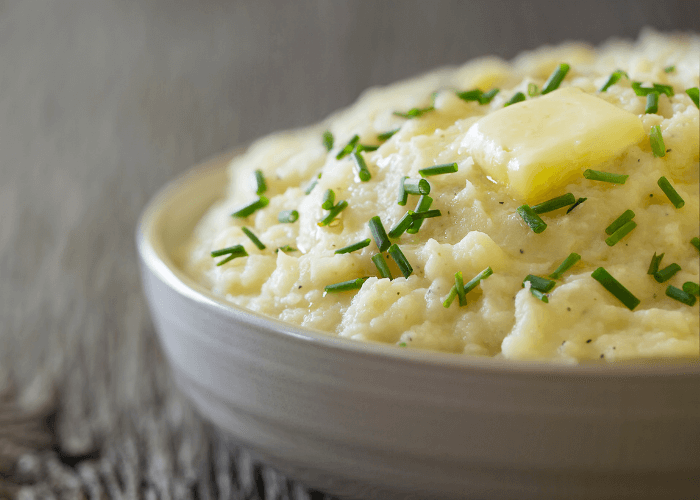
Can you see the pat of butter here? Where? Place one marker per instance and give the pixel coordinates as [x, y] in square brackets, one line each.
[540, 145]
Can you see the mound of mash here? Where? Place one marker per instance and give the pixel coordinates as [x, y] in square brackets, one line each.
[507, 156]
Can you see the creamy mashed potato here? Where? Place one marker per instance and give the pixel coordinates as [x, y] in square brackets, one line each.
[507, 158]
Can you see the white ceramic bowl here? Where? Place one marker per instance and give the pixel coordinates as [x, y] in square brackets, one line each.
[376, 421]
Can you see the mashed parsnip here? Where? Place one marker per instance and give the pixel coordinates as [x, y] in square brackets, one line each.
[507, 158]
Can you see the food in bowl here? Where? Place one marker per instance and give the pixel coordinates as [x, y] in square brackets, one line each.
[542, 209]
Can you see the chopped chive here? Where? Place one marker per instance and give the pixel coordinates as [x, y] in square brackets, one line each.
[597, 175]
[657, 142]
[517, 97]
[333, 213]
[253, 238]
[348, 148]
[695, 242]
[450, 297]
[487, 97]
[531, 218]
[669, 69]
[470, 95]
[345, 286]
[286, 248]
[328, 140]
[251, 207]
[311, 186]
[578, 202]
[402, 344]
[623, 219]
[663, 89]
[532, 89]
[447, 168]
[403, 224]
[667, 272]
[385, 136]
[614, 78]
[554, 204]
[260, 184]
[363, 173]
[416, 186]
[400, 260]
[669, 191]
[459, 286]
[538, 283]
[568, 263]
[382, 266]
[654, 264]
[355, 246]
[414, 112]
[288, 216]
[652, 103]
[642, 91]
[471, 285]
[403, 195]
[379, 234]
[616, 288]
[555, 78]
[691, 288]
[364, 147]
[232, 252]
[694, 95]
[328, 199]
[427, 214]
[680, 295]
[540, 295]
[423, 205]
[614, 238]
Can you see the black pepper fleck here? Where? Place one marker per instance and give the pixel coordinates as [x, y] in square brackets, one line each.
[668, 150]
[522, 251]
[568, 309]
[651, 195]
[588, 341]
[602, 356]
[299, 287]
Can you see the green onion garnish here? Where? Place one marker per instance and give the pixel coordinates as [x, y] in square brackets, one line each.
[540, 295]
[414, 112]
[385, 136]
[328, 140]
[251, 207]
[379, 234]
[477, 279]
[470, 95]
[669, 69]
[517, 97]
[459, 287]
[400, 260]
[288, 216]
[614, 78]
[447, 168]
[597, 175]
[532, 89]
[333, 213]
[364, 147]
[554, 204]
[691, 288]
[616, 288]
[680, 295]
[423, 205]
[487, 97]
[652, 103]
[542, 284]
[344, 286]
[382, 266]
[253, 238]
[666, 273]
[695, 242]
[450, 297]
[403, 195]
[403, 224]
[531, 218]
[669, 191]
[568, 263]
[663, 89]
[286, 248]
[402, 344]
[654, 264]
[355, 246]
[363, 173]
[349, 147]
[416, 186]
[427, 214]
[260, 184]
[328, 199]
[694, 95]
[555, 78]
[626, 216]
[614, 238]
[657, 141]
[656, 87]
[232, 252]
[578, 202]
[311, 186]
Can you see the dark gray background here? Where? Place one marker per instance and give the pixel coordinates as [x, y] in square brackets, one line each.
[101, 102]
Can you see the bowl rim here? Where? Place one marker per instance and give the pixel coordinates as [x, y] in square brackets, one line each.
[154, 257]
